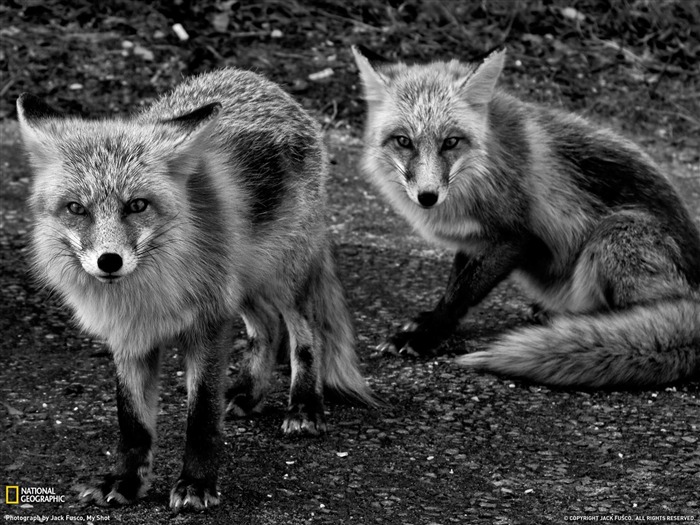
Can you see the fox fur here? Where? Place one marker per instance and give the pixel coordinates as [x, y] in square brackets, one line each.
[158, 229]
[585, 221]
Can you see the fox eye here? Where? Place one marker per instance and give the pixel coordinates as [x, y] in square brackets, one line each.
[403, 141]
[76, 208]
[450, 143]
[136, 205]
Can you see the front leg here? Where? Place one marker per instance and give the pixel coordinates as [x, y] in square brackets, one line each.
[205, 363]
[471, 279]
[137, 400]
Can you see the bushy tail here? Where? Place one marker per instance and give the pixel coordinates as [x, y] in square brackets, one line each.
[643, 346]
[341, 372]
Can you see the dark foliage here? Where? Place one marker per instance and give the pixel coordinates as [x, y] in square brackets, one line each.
[631, 61]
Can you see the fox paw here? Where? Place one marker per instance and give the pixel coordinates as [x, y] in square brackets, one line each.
[240, 400]
[420, 336]
[193, 494]
[242, 405]
[539, 315]
[300, 421]
[114, 490]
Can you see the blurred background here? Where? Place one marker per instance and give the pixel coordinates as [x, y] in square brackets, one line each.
[630, 63]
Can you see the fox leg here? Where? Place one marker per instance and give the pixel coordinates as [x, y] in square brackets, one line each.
[205, 363]
[137, 400]
[471, 279]
[247, 393]
[305, 413]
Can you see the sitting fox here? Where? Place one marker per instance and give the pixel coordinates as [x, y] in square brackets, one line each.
[159, 229]
[582, 218]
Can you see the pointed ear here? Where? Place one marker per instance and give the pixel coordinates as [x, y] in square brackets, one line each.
[477, 87]
[374, 83]
[372, 56]
[194, 124]
[196, 118]
[194, 131]
[32, 109]
[32, 114]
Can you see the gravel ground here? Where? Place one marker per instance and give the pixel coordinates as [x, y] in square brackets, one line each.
[452, 446]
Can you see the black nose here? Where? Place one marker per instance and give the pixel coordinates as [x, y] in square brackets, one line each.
[427, 198]
[109, 262]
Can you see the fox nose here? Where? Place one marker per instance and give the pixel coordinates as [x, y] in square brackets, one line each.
[427, 198]
[109, 262]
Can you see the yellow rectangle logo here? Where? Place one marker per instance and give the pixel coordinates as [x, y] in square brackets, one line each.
[9, 490]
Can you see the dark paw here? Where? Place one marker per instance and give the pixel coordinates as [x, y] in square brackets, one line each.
[241, 403]
[114, 490]
[193, 494]
[418, 337]
[303, 421]
[244, 406]
[539, 315]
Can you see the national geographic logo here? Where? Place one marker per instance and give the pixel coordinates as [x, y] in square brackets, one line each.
[16, 495]
[12, 494]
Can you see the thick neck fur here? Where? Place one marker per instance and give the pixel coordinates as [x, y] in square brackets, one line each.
[512, 181]
[486, 191]
[184, 274]
[531, 171]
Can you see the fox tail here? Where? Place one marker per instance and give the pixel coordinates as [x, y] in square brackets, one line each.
[340, 366]
[645, 345]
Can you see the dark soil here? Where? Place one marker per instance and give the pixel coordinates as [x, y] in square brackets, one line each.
[631, 62]
[452, 446]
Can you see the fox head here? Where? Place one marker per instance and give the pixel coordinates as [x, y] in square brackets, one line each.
[427, 124]
[106, 194]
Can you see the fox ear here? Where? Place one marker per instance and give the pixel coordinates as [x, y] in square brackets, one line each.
[196, 118]
[372, 56]
[194, 124]
[373, 82]
[31, 109]
[477, 87]
[32, 113]
[194, 130]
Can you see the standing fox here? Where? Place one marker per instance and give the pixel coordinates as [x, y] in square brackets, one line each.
[161, 228]
[580, 216]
